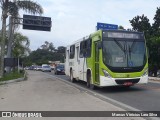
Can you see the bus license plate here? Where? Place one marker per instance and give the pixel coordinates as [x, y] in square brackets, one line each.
[128, 83]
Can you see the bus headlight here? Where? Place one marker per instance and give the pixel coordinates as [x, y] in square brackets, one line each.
[145, 72]
[106, 74]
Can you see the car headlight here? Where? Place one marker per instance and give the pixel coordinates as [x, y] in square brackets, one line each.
[106, 74]
[58, 70]
[145, 72]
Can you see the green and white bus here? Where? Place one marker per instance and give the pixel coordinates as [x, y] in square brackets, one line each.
[108, 58]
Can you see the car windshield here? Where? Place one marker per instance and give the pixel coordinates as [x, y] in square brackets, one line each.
[60, 66]
[46, 66]
[124, 53]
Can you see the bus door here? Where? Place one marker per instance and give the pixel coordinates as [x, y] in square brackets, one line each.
[97, 61]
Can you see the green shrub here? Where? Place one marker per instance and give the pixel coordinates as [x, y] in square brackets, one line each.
[12, 75]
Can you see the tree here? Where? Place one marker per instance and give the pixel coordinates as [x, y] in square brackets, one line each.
[20, 45]
[4, 5]
[43, 56]
[141, 24]
[61, 49]
[156, 24]
[121, 27]
[13, 7]
[48, 46]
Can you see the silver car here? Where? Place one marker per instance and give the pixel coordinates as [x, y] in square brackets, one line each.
[46, 68]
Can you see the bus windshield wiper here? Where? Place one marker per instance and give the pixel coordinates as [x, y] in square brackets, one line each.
[123, 48]
[133, 44]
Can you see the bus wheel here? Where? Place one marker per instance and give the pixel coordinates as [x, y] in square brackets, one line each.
[88, 80]
[89, 85]
[93, 87]
[71, 77]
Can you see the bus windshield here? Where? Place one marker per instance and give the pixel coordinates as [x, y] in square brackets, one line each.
[127, 53]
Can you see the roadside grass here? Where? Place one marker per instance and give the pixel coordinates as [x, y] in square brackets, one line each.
[12, 75]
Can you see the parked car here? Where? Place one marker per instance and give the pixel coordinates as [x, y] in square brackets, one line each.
[59, 69]
[52, 67]
[39, 68]
[26, 68]
[46, 68]
[31, 68]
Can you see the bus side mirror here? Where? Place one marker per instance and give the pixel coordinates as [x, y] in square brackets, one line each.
[99, 45]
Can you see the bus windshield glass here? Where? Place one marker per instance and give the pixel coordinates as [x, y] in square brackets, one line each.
[127, 53]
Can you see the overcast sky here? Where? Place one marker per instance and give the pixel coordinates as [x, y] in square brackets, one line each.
[74, 19]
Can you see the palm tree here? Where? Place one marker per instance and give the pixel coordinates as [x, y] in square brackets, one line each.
[20, 45]
[13, 7]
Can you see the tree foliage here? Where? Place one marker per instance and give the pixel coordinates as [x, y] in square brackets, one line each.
[20, 45]
[44, 54]
[48, 46]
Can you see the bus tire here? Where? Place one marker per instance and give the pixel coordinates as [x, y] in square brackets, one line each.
[88, 80]
[71, 76]
[93, 87]
[89, 85]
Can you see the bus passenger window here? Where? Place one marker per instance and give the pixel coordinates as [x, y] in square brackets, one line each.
[89, 48]
[72, 51]
[81, 49]
[85, 48]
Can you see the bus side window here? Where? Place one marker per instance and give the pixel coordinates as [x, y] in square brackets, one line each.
[85, 48]
[81, 49]
[88, 49]
[72, 51]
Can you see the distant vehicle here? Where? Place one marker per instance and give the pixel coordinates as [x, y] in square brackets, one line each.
[26, 68]
[31, 68]
[158, 73]
[46, 68]
[35, 67]
[39, 68]
[44, 64]
[52, 67]
[59, 69]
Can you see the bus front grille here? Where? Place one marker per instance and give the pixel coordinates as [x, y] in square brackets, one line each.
[123, 81]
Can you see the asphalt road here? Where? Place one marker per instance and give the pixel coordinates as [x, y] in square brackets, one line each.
[142, 97]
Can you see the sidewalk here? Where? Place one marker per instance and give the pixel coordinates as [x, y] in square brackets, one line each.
[157, 79]
[42, 92]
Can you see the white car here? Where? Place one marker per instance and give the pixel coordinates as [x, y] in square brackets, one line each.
[46, 68]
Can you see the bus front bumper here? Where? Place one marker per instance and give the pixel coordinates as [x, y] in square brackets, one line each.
[105, 81]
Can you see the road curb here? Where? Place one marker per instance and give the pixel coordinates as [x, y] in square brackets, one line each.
[154, 78]
[15, 80]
